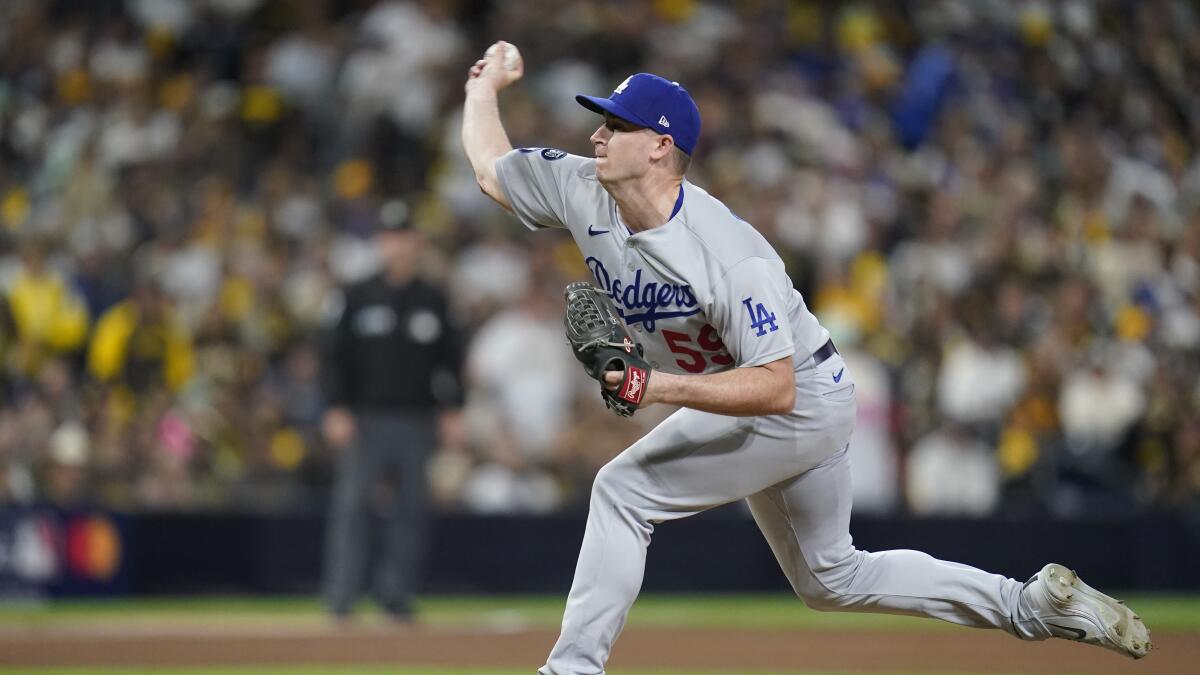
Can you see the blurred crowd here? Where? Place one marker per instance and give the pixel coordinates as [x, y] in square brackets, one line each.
[993, 206]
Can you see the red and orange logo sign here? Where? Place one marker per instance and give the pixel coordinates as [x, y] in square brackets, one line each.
[93, 548]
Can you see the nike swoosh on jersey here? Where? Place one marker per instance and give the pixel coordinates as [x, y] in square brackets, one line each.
[1077, 632]
[837, 377]
[594, 232]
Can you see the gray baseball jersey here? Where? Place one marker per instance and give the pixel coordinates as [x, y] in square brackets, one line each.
[706, 293]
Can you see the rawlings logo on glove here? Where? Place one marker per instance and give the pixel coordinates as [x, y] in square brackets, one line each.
[601, 342]
[635, 380]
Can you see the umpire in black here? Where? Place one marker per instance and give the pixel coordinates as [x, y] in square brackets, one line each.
[391, 364]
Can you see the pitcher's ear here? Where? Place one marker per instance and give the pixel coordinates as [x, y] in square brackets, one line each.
[666, 145]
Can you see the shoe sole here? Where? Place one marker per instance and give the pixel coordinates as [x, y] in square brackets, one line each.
[1123, 629]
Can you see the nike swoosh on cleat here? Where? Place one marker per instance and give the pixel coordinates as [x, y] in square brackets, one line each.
[593, 232]
[838, 376]
[1077, 632]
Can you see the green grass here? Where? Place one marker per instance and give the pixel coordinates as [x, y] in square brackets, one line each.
[1162, 612]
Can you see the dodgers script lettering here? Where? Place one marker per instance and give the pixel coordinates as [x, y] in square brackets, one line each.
[644, 302]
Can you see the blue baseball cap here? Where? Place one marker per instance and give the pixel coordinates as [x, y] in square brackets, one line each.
[652, 102]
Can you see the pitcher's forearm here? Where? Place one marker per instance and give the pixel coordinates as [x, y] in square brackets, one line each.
[760, 390]
[484, 139]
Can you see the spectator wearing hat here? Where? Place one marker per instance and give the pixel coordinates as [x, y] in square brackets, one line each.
[391, 359]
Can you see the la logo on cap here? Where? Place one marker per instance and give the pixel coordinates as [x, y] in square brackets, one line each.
[621, 87]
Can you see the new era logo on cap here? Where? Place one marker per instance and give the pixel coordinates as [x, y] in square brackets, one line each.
[643, 98]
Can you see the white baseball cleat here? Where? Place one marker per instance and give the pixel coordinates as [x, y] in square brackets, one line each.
[1072, 610]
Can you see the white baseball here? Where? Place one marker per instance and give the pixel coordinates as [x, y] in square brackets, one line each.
[512, 57]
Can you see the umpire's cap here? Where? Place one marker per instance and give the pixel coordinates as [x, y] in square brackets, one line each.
[652, 102]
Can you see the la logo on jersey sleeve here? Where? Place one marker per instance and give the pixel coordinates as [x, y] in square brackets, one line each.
[760, 318]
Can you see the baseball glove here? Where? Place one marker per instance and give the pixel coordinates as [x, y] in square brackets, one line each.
[601, 342]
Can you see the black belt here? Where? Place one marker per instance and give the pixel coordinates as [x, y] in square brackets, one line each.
[827, 350]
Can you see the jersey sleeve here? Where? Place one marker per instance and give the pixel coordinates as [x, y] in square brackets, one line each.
[536, 182]
[750, 310]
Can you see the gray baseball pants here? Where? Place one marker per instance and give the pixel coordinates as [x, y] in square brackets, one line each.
[391, 447]
[794, 472]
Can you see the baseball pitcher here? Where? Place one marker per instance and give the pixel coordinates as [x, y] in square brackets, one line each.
[689, 305]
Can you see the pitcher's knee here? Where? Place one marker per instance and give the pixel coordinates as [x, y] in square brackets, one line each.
[822, 599]
[828, 589]
[611, 485]
[620, 487]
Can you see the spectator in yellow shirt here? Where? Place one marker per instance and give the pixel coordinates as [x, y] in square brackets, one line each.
[48, 316]
[140, 343]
